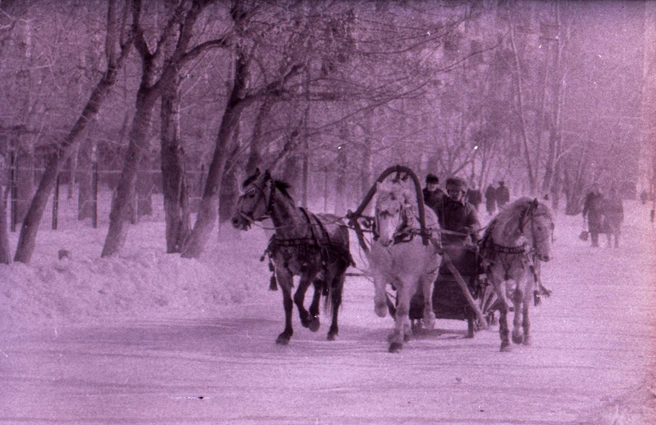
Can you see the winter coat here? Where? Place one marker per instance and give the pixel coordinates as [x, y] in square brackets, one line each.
[502, 195]
[431, 199]
[593, 208]
[457, 217]
[613, 215]
[474, 197]
[490, 199]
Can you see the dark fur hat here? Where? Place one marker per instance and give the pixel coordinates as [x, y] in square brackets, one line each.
[456, 183]
[432, 178]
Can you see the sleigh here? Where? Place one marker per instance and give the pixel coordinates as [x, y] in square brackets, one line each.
[456, 289]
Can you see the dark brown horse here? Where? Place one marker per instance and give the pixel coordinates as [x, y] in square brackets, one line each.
[314, 247]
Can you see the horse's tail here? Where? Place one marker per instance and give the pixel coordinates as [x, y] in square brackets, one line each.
[330, 283]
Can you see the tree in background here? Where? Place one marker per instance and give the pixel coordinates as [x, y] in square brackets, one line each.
[118, 42]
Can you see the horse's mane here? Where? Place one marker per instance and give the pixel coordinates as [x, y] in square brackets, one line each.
[510, 215]
[282, 186]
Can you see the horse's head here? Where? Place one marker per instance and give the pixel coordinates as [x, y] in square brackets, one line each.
[391, 201]
[255, 202]
[537, 225]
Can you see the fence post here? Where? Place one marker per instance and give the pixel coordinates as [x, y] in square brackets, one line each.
[55, 204]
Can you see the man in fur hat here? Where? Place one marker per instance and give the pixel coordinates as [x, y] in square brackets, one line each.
[432, 193]
[457, 215]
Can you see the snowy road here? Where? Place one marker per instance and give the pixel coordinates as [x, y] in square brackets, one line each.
[594, 346]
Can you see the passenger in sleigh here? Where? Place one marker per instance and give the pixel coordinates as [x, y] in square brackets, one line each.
[459, 228]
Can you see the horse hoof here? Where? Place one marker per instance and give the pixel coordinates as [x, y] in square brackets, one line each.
[282, 339]
[332, 336]
[416, 326]
[406, 337]
[470, 335]
[429, 322]
[505, 347]
[518, 339]
[395, 347]
[315, 324]
[527, 342]
[381, 311]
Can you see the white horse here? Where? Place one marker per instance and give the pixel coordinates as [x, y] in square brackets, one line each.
[398, 257]
[515, 242]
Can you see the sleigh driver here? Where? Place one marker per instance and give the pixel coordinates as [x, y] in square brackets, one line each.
[459, 229]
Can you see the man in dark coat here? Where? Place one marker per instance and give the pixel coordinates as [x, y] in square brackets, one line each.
[593, 209]
[502, 195]
[455, 214]
[433, 195]
[474, 197]
[490, 200]
[460, 228]
[459, 233]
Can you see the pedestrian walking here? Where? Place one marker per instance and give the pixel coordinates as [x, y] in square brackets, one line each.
[474, 197]
[502, 195]
[593, 211]
[490, 199]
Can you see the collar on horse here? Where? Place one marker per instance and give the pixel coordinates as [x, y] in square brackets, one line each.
[524, 251]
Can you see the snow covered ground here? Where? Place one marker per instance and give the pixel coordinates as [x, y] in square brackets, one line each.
[148, 337]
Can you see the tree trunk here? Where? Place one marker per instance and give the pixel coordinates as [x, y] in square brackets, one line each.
[86, 158]
[292, 166]
[555, 133]
[520, 105]
[24, 177]
[340, 184]
[123, 199]
[229, 192]
[255, 154]
[5, 254]
[209, 205]
[174, 184]
[366, 178]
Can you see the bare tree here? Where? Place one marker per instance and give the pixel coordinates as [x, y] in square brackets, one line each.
[241, 96]
[118, 42]
[159, 73]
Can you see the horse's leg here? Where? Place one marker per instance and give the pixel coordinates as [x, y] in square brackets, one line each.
[337, 287]
[517, 298]
[504, 332]
[426, 283]
[299, 296]
[402, 328]
[526, 323]
[315, 323]
[285, 280]
[380, 296]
